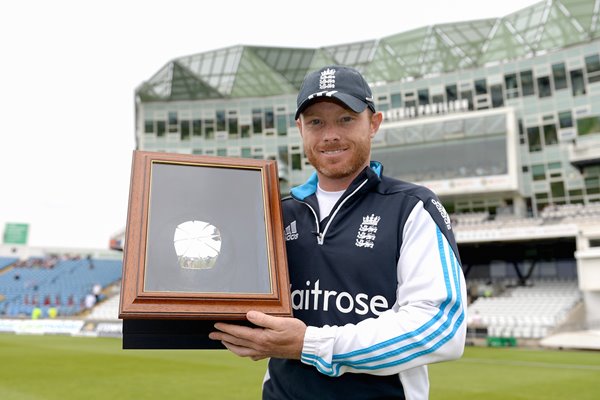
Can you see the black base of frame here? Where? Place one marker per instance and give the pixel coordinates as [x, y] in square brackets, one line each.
[171, 334]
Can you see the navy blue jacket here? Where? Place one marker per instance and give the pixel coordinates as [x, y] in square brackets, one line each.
[346, 270]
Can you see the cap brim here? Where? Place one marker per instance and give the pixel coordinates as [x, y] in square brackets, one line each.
[348, 100]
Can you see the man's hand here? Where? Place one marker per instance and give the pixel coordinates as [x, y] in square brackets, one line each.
[278, 337]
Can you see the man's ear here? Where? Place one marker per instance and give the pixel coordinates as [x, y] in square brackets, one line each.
[376, 120]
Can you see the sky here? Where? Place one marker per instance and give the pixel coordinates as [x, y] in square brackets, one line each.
[69, 69]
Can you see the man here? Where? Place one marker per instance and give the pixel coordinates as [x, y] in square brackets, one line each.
[377, 288]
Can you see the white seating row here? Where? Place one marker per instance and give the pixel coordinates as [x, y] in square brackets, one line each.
[525, 311]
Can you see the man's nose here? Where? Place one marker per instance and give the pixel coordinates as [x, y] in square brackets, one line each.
[331, 134]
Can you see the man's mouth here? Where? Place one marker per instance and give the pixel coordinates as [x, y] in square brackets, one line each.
[332, 152]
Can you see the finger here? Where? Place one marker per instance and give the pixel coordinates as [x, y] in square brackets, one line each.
[239, 331]
[242, 351]
[224, 337]
[263, 320]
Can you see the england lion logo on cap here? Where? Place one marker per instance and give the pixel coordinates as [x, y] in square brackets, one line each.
[327, 79]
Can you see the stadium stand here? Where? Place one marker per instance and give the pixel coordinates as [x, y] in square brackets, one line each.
[53, 283]
[529, 312]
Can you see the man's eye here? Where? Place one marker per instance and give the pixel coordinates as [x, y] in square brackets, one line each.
[314, 122]
[347, 119]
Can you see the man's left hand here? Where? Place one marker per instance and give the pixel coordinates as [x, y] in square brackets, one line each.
[278, 337]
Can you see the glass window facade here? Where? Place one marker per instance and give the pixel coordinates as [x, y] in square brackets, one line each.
[436, 109]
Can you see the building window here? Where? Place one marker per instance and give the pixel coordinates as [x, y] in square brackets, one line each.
[209, 128]
[544, 88]
[232, 123]
[221, 121]
[222, 152]
[592, 185]
[148, 126]
[161, 128]
[480, 87]
[451, 93]
[592, 66]
[565, 119]
[396, 100]
[497, 96]
[527, 83]
[550, 135]
[282, 124]
[245, 130]
[257, 120]
[557, 189]
[535, 142]
[172, 118]
[560, 76]
[538, 172]
[577, 193]
[246, 152]
[296, 161]
[511, 85]
[423, 95]
[269, 119]
[197, 127]
[588, 125]
[185, 130]
[577, 82]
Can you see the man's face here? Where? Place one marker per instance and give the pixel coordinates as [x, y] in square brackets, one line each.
[337, 141]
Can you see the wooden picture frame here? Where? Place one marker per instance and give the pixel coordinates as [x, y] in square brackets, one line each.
[235, 202]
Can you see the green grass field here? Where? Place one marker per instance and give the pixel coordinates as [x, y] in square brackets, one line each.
[61, 367]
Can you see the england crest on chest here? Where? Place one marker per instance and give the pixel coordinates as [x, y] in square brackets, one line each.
[367, 231]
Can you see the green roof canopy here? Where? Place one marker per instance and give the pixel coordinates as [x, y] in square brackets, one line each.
[248, 71]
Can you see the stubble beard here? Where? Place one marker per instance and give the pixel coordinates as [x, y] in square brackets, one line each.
[339, 171]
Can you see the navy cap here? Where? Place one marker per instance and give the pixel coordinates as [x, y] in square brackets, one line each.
[335, 81]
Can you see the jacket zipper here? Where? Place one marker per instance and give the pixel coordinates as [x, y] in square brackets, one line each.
[321, 235]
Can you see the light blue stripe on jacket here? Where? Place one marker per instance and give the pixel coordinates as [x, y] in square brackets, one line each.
[428, 344]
